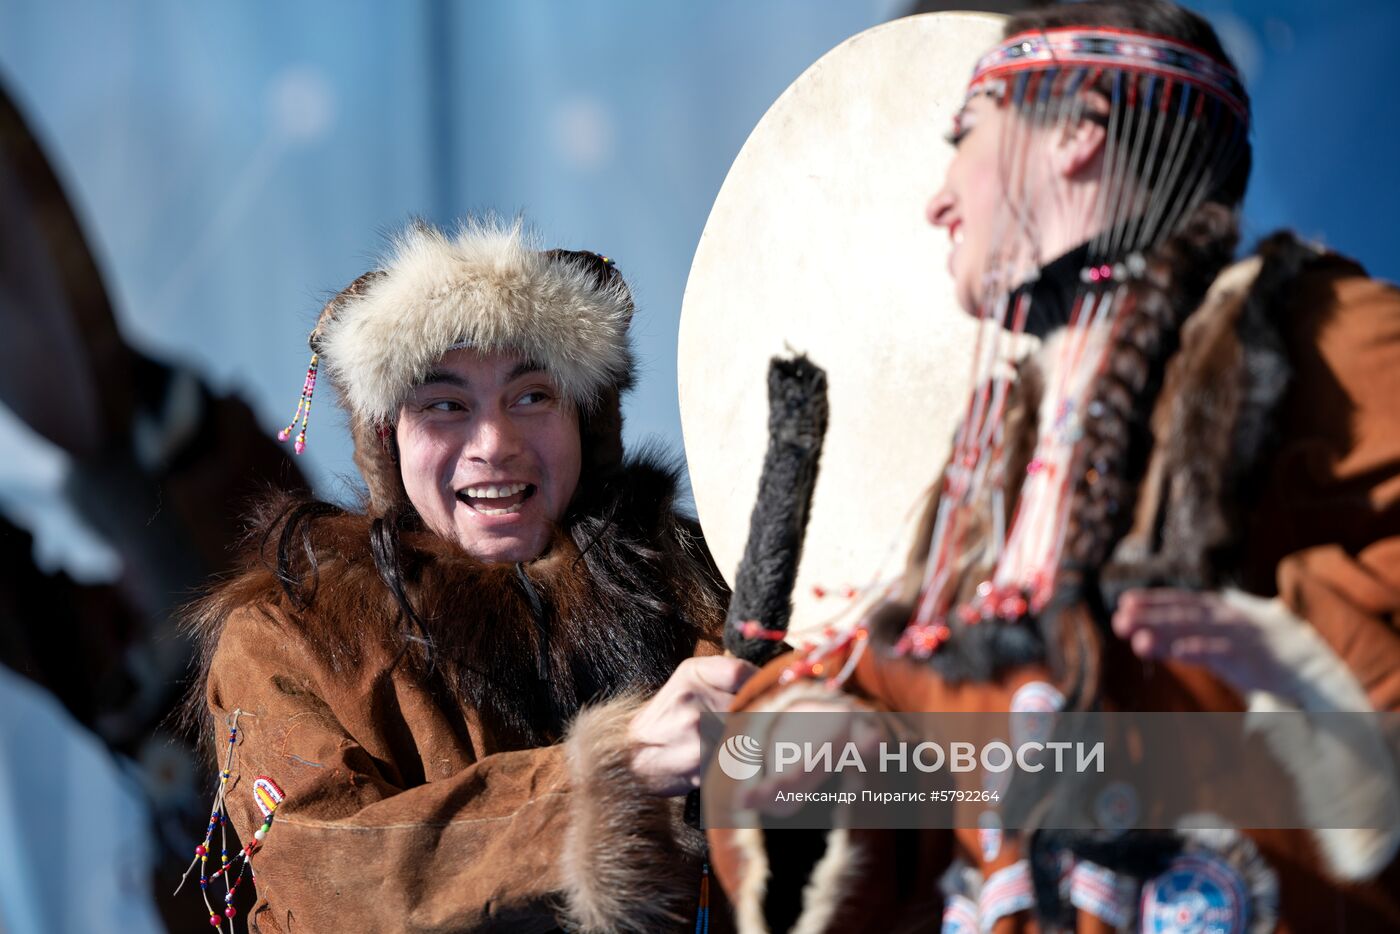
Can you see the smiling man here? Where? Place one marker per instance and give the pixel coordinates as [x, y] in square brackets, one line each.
[447, 690]
[490, 450]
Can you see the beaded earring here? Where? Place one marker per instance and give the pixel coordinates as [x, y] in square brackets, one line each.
[303, 412]
[268, 797]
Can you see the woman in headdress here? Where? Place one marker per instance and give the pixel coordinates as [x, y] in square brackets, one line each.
[1199, 466]
[432, 711]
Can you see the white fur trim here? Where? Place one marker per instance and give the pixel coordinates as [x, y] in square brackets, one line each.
[1347, 778]
[830, 882]
[753, 881]
[489, 286]
[618, 857]
[1321, 681]
[838, 866]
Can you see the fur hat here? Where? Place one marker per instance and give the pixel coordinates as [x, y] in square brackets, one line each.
[488, 287]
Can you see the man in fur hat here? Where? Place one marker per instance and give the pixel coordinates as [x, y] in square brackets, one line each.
[440, 697]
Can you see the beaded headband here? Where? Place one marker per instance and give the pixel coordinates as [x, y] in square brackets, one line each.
[1176, 126]
[1109, 49]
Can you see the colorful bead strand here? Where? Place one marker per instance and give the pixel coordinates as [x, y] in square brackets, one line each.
[218, 820]
[303, 412]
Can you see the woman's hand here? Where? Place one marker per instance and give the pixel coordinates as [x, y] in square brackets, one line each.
[672, 731]
[1202, 629]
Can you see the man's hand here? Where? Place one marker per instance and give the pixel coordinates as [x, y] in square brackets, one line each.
[670, 730]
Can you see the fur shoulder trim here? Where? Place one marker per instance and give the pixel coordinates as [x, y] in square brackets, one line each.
[632, 511]
[1346, 785]
[627, 582]
[1214, 427]
[491, 288]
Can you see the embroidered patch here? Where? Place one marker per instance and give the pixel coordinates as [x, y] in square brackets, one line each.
[960, 916]
[1037, 697]
[1006, 891]
[267, 795]
[1199, 893]
[1033, 709]
[989, 835]
[1116, 807]
[1102, 893]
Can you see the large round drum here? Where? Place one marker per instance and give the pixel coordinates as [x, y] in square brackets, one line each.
[818, 244]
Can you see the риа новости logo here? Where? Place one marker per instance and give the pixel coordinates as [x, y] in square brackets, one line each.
[740, 757]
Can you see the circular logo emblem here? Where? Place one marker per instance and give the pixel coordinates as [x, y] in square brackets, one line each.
[740, 757]
[1198, 894]
[1033, 709]
[1116, 807]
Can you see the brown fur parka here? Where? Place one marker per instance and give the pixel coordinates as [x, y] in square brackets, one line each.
[467, 769]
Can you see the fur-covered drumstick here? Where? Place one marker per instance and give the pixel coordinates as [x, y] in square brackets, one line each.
[762, 602]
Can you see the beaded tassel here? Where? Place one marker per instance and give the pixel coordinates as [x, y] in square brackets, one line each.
[218, 820]
[303, 412]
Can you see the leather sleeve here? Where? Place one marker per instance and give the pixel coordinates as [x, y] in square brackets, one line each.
[1335, 495]
[478, 849]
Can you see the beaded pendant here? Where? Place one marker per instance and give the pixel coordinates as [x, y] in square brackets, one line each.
[268, 797]
[303, 412]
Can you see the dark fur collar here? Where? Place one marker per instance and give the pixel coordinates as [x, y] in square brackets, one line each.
[1201, 413]
[1186, 417]
[1215, 429]
[623, 595]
